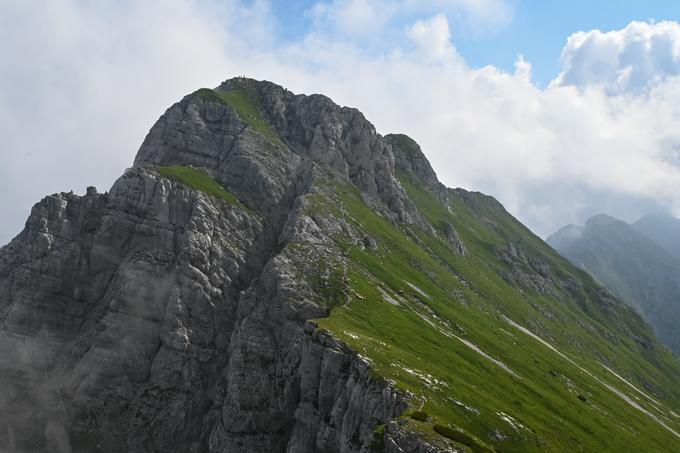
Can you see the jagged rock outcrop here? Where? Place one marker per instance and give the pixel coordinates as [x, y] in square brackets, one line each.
[263, 169]
[410, 160]
[156, 317]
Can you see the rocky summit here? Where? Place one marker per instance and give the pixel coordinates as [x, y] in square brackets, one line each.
[273, 275]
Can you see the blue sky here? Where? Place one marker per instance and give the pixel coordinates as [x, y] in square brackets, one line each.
[537, 29]
[556, 142]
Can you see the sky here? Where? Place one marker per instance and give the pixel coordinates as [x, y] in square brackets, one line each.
[561, 110]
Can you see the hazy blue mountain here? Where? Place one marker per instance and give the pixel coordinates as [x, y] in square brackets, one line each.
[631, 266]
[663, 229]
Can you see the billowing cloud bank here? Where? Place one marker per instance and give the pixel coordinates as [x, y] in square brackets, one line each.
[81, 83]
[631, 59]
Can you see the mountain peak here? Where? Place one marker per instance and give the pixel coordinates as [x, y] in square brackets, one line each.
[411, 160]
[631, 265]
[273, 275]
[243, 121]
[657, 216]
[662, 228]
[241, 81]
[601, 220]
[565, 236]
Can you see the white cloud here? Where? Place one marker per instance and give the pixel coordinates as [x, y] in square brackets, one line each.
[491, 12]
[373, 19]
[82, 83]
[433, 37]
[522, 69]
[622, 60]
[551, 156]
[356, 18]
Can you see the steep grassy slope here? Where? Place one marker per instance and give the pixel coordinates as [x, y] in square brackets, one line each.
[244, 101]
[503, 344]
[631, 266]
[458, 332]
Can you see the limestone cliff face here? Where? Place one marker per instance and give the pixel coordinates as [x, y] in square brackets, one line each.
[159, 318]
[269, 170]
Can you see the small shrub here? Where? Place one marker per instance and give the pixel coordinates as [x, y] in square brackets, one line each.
[377, 444]
[462, 437]
[421, 416]
[328, 281]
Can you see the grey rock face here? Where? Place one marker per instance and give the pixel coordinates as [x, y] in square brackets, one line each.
[454, 239]
[156, 317]
[265, 173]
[409, 158]
[398, 441]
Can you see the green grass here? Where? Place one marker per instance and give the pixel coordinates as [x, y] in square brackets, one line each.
[200, 180]
[462, 438]
[245, 102]
[406, 143]
[537, 408]
[377, 444]
[421, 416]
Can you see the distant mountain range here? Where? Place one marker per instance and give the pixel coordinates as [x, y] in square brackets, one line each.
[639, 263]
[662, 229]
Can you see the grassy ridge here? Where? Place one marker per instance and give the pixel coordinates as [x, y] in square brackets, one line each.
[200, 180]
[418, 311]
[244, 100]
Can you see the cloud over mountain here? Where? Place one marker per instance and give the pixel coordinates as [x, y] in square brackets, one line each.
[81, 82]
[632, 58]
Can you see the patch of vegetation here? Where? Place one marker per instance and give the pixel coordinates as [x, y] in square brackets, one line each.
[328, 281]
[244, 100]
[378, 441]
[421, 416]
[444, 298]
[200, 180]
[406, 143]
[460, 436]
